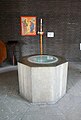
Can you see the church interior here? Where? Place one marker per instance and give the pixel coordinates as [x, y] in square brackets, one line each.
[40, 60]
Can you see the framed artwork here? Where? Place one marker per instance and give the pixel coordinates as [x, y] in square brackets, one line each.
[28, 25]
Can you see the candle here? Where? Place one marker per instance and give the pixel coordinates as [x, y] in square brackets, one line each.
[41, 21]
[40, 25]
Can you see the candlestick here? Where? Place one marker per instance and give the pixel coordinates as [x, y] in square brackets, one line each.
[41, 36]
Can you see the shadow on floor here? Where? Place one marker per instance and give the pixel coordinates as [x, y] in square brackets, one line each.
[9, 82]
[74, 74]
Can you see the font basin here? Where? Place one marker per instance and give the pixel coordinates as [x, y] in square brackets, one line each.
[42, 59]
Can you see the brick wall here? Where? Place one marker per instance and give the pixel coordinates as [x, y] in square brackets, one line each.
[60, 16]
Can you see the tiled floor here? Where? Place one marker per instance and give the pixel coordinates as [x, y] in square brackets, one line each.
[14, 107]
